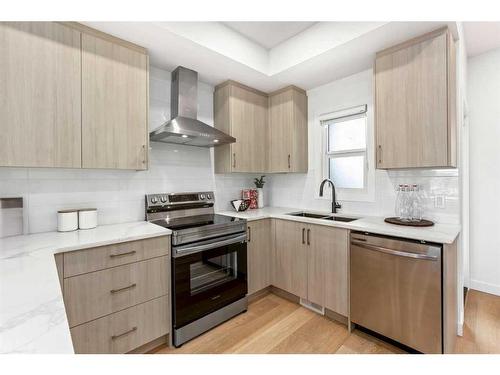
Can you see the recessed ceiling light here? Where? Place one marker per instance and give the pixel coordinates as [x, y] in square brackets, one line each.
[216, 140]
[184, 136]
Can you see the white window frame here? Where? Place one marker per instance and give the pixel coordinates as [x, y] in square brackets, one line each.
[366, 194]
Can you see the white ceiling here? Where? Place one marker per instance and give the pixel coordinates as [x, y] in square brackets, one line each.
[481, 37]
[322, 53]
[268, 34]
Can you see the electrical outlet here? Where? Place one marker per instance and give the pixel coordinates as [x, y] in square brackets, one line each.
[440, 201]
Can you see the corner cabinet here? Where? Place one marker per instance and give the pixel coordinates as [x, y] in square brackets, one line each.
[40, 87]
[72, 97]
[415, 103]
[259, 259]
[241, 112]
[288, 131]
[114, 105]
[270, 129]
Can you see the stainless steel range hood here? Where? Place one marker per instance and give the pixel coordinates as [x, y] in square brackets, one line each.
[184, 128]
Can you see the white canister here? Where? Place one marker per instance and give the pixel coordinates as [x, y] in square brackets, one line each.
[87, 218]
[67, 220]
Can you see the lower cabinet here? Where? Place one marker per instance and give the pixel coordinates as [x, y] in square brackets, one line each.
[116, 296]
[310, 261]
[290, 257]
[259, 245]
[123, 331]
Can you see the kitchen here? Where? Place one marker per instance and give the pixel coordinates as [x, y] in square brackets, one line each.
[246, 194]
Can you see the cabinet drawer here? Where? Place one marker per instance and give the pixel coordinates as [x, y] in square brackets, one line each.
[100, 293]
[99, 258]
[123, 331]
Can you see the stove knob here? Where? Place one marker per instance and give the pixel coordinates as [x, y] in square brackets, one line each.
[209, 196]
[202, 196]
[163, 199]
[154, 200]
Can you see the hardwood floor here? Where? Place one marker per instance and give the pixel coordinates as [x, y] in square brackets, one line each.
[276, 325]
[481, 324]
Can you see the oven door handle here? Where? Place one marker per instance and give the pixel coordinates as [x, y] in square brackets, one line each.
[211, 244]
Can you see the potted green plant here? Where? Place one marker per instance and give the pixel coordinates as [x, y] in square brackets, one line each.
[259, 184]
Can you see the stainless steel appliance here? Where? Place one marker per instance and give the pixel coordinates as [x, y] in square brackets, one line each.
[184, 127]
[209, 261]
[396, 290]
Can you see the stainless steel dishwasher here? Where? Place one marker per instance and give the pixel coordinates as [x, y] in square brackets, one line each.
[396, 289]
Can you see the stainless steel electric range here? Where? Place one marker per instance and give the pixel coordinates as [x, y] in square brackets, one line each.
[209, 261]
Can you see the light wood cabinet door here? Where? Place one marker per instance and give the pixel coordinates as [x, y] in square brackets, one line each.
[280, 131]
[288, 134]
[114, 105]
[336, 267]
[95, 294]
[413, 88]
[290, 257]
[40, 91]
[327, 267]
[124, 330]
[242, 113]
[259, 257]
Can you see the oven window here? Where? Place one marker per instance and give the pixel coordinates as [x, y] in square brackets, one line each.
[212, 271]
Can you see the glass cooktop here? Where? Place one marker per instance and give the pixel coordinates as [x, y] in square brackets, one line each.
[196, 221]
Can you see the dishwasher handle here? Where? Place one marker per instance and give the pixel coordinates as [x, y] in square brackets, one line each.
[394, 252]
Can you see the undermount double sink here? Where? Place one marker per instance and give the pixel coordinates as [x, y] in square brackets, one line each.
[312, 215]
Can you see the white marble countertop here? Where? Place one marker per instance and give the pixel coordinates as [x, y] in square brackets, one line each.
[32, 314]
[440, 233]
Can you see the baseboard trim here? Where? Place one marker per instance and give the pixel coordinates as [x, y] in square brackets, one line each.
[485, 287]
[258, 294]
[286, 295]
[151, 346]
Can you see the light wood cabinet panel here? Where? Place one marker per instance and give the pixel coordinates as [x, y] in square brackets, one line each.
[123, 331]
[259, 255]
[99, 293]
[288, 135]
[290, 257]
[414, 89]
[40, 87]
[242, 113]
[99, 258]
[336, 264]
[114, 105]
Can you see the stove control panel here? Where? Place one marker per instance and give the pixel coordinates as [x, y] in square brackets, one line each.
[172, 199]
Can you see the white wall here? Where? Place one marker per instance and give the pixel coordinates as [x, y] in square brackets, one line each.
[119, 195]
[483, 93]
[301, 190]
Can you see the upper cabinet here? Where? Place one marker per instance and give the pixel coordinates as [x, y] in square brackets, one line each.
[241, 112]
[415, 95]
[72, 97]
[114, 105]
[270, 129]
[40, 90]
[288, 130]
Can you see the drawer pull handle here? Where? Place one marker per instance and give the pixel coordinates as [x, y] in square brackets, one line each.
[114, 337]
[308, 236]
[123, 289]
[123, 254]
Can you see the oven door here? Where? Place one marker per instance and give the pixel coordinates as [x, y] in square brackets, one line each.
[208, 276]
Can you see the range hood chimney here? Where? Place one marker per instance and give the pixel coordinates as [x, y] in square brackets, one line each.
[184, 127]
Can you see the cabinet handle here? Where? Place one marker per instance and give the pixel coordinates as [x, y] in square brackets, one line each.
[249, 234]
[122, 254]
[113, 291]
[234, 160]
[144, 154]
[288, 161]
[380, 154]
[303, 236]
[308, 236]
[114, 337]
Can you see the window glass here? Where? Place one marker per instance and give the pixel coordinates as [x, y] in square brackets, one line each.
[348, 172]
[347, 135]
